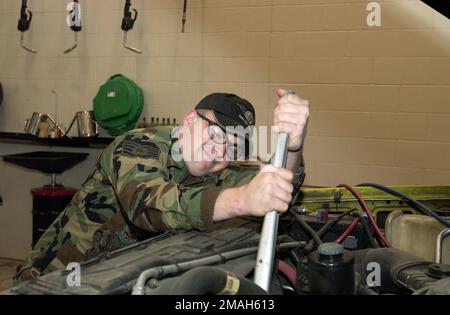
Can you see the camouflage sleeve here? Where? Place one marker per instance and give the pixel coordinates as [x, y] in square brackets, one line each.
[146, 193]
[236, 175]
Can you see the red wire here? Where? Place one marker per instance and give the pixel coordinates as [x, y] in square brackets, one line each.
[368, 212]
[288, 271]
[348, 231]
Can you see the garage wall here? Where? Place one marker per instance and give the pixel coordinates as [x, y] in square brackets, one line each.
[380, 97]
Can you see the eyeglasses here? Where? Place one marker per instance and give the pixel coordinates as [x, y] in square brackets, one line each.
[219, 135]
[216, 132]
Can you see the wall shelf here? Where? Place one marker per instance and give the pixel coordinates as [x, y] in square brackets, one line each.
[75, 142]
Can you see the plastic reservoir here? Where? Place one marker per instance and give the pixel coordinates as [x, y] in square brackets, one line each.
[416, 234]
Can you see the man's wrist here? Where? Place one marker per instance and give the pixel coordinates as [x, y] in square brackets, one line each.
[229, 204]
[240, 206]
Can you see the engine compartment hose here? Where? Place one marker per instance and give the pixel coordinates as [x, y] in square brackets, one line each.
[306, 227]
[207, 280]
[348, 231]
[324, 230]
[416, 204]
[390, 264]
[366, 209]
[367, 230]
[173, 269]
[289, 272]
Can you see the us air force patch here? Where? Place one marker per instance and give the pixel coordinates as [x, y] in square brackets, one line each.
[140, 148]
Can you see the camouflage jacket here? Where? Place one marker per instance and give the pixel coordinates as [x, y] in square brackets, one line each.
[135, 191]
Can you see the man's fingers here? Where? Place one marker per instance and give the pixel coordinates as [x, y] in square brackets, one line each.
[297, 112]
[268, 169]
[292, 98]
[279, 182]
[279, 205]
[289, 107]
[282, 92]
[285, 185]
[288, 117]
[284, 173]
[283, 191]
[288, 128]
[277, 192]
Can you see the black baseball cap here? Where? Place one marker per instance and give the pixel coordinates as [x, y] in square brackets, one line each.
[230, 110]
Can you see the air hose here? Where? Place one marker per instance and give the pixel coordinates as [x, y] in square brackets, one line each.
[416, 204]
[214, 280]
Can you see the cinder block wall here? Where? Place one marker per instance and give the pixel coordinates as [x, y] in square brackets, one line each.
[380, 96]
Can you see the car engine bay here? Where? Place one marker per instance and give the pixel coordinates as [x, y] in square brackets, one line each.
[326, 245]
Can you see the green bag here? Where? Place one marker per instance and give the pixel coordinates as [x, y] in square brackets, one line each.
[118, 105]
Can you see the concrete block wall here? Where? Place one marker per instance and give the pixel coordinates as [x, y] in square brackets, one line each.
[380, 96]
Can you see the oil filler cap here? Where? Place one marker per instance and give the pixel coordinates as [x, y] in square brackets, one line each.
[331, 249]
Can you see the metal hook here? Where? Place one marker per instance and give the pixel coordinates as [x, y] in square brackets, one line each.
[31, 50]
[74, 45]
[129, 47]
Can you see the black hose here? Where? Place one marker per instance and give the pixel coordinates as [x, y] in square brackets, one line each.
[306, 227]
[214, 280]
[414, 203]
[367, 230]
[390, 267]
[326, 228]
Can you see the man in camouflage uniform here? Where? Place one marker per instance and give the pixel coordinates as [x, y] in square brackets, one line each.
[139, 188]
